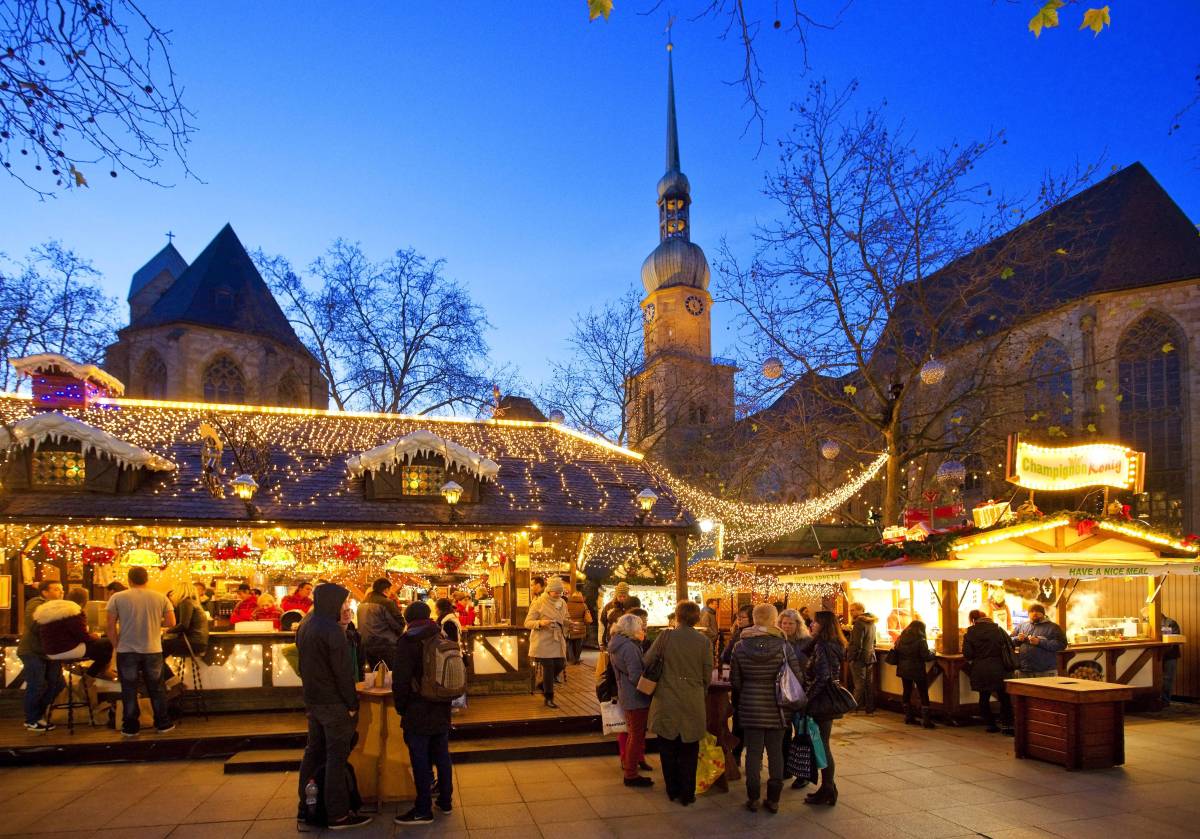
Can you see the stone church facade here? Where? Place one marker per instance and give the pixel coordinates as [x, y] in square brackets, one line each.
[212, 331]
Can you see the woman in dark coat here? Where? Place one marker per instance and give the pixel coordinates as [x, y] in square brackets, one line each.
[983, 651]
[760, 653]
[912, 651]
[824, 673]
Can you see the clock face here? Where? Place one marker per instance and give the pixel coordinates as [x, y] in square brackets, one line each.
[649, 312]
[694, 304]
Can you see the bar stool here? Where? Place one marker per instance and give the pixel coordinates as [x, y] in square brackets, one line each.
[72, 662]
[196, 694]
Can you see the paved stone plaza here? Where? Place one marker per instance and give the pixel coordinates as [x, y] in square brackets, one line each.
[895, 781]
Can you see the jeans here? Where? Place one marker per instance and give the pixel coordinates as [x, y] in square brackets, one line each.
[756, 740]
[43, 681]
[985, 707]
[864, 684]
[1169, 667]
[551, 667]
[327, 750]
[574, 649]
[632, 743]
[922, 686]
[679, 761]
[426, 751]
[148, 666]
[825, 726]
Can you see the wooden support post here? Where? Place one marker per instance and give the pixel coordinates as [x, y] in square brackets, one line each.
[950, 640]
[574, 569]
[521, 579]
[681, 557]
[1154, 608]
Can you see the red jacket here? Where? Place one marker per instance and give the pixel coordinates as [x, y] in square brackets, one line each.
[294, 601]
[268, 613]
[244, 611]
[62, 626]
[466, 613]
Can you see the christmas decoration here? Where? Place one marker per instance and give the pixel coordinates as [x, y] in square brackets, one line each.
[98, 556]
[933, 371]
[772, 368]
[347, 551]
[830, 449]
[55, 427]
[951, 474]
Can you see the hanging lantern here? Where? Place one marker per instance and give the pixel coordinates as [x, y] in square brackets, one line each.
[951, 474]
[933, 371]
[143, 557]
[557, 416]
[244, 487]
[830, 449]
[401, 564]
[772, 368]
[278, 558]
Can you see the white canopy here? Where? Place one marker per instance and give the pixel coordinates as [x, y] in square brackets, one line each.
[54, 426]
[418, 444]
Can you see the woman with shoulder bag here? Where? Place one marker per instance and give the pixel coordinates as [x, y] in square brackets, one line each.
[827, 699]
[625, 652]
[547, 618]
[912, 651]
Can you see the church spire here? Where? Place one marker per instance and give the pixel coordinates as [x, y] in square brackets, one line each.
[674, 191]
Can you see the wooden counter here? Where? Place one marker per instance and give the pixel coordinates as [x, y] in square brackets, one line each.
[1076, 723]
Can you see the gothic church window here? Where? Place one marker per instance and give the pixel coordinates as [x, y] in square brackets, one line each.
[1152, 414]
[291, 392]
[1048, 393]
[223, 381]
[152, 376]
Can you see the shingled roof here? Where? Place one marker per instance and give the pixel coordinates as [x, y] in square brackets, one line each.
[168, 259]
[548, 475]
[222, 289]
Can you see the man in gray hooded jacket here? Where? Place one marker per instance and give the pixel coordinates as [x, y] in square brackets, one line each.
[330, 703]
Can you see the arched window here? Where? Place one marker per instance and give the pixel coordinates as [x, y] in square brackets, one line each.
[223, 381]
[1048, 393]
[290, 391]
[151, 381]
[1153, 417]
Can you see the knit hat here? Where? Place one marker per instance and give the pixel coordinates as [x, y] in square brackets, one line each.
[555, 584]
[622, 589]
[418, 611]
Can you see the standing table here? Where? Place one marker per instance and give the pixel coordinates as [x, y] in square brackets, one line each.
[1076, 723]
[380, 758]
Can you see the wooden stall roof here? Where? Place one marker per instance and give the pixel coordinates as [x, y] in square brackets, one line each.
[549, 475]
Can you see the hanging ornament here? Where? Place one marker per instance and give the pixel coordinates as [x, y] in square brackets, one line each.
[933, 371]
[143, 557]
[772, 368]
[347, 551]
[278, 558]
[230, 550]
[98, 556]
[830, 449]
[951, 474]
[557, 416]
[402, 564]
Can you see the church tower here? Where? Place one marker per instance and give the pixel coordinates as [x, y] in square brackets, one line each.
[681, 394]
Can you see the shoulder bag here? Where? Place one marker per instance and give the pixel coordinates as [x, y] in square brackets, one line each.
[648, 681]
[834, 700]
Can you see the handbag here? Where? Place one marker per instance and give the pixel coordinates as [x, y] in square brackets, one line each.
[612, 718]
[892, 657]
[800, 760]
[648, 681]
[818, 744]
[789, 693]
[1008, 656]
[834, 700]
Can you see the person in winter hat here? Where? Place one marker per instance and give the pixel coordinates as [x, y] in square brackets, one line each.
[612, 610]
[548, 619]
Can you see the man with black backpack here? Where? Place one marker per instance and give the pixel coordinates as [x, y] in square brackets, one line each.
[429, 674]
[331, 705]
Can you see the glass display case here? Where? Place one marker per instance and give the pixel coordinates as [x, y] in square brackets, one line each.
[1096, 630]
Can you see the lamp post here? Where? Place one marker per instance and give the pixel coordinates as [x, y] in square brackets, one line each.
[452, 492]
[244, 486]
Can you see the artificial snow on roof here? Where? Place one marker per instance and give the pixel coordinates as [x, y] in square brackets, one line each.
[39, 428]
[419, 444]
[47, 362]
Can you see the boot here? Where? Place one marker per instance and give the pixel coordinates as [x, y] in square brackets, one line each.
[774, 790]
[909, 715]
[926, 722]
[752, 794]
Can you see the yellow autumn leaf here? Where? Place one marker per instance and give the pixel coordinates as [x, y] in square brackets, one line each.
[1101, 408]
[1096, 20]
[1091, 427]
[1060, 251]
[1101, 384]
[1168, 347]
[849, 390]
[1054, 431]
[80, 180]
[596, 8]
[1120, 397]
[1006, 273]
[1047, 17]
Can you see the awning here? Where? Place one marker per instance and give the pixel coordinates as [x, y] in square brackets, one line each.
[817, 578]
[955, 570]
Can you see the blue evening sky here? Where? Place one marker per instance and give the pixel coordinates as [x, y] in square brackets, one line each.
[523, 144]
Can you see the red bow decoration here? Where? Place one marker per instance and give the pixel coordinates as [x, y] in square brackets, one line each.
[1125, 512]
[347, 551]
[449, 563]
[225, 552]
[1084, 527]
[98, 556]
[833, 554]
[1190, 540]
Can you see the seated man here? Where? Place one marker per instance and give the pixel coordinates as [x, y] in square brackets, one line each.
[43, 678]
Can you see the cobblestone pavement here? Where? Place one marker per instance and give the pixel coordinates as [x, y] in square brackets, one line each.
[895, 781]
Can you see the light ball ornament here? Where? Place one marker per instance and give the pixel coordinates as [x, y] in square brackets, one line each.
[772, 368]
[830, 449]
[951, 474]
[557, 416]
[933, 371]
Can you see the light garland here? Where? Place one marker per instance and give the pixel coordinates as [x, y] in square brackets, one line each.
[748, 525]
[1147, 536]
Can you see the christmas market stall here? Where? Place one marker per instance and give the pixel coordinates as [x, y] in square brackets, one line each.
[94, 484]
[1100, 577]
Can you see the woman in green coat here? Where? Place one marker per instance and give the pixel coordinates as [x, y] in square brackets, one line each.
[677, 712]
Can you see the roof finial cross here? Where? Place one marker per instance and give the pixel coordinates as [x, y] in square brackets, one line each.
[170, 238]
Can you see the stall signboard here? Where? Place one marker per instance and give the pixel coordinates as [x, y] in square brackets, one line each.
[1064, 468]
[1088, 571]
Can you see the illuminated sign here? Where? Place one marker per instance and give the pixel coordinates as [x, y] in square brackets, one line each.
[1110, 571]
[1074, 467]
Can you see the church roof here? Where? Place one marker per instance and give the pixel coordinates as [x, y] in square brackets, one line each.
[223, 289]
[168, 259]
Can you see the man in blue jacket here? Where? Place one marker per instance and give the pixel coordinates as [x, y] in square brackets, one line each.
[330, 703]
[1039, 641]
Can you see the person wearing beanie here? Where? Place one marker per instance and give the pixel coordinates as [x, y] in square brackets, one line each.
[613, 610]
[547, 619]
[426, 722]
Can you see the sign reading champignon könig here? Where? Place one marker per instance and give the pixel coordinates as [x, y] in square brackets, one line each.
[1051, 468]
